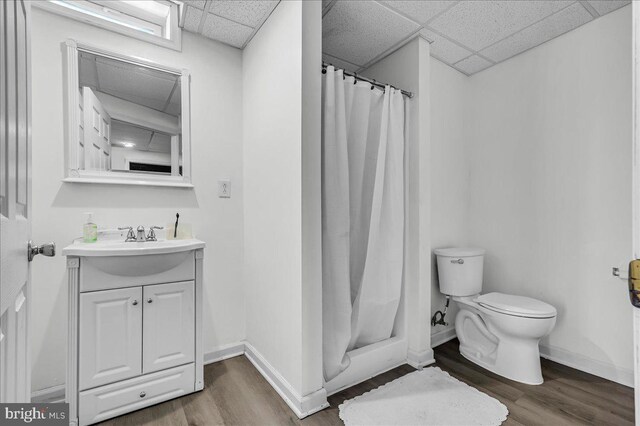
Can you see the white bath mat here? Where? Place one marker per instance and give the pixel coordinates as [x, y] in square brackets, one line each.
[427, 397]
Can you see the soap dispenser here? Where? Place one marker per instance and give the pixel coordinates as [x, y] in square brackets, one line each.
[89, 230]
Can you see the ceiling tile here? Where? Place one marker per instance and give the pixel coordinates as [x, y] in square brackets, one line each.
[122, 132]
[226, 31]
[326, 4]
[472, 64]
[478, 24]
[140, 85]
[605, 6]
[551, 27]
[418, 10]
[443, 49]
[195, 3]
[192, 19]
[339, 63]
[160, 142]
[246, 12]
[358, 31]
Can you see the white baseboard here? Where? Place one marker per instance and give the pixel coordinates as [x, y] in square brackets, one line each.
[598, 368]
[50, 395]
[443, 336]
[224, 352]
[420, 359]
[302, 406]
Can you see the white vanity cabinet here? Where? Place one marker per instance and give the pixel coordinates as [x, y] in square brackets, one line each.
[135, 329]
[168, 319]
[110, 323]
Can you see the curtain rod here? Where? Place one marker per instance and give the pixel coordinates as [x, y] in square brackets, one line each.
[373, 82]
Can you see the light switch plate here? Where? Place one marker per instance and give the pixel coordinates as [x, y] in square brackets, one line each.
[224, 188]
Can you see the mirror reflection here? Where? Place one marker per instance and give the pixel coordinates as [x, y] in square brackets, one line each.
[130, 117]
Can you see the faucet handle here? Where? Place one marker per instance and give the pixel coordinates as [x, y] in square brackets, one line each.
[131, 236]
[152, 233]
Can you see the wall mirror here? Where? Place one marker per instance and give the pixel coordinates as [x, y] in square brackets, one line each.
[127, 120]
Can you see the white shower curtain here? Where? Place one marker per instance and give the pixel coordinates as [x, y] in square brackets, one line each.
[362, 215]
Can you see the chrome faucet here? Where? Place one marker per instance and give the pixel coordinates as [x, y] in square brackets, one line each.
[138, 235]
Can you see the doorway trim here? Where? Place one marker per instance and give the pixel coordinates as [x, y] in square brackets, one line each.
[635, 185]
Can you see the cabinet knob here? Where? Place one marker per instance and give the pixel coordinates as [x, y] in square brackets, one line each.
[149, 300]
[134, 303]
[143, 394]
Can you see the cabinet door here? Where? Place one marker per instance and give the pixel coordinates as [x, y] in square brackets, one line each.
[169, 325]
[110, 336]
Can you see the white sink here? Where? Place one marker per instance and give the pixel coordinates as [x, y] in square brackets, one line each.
[121, 248]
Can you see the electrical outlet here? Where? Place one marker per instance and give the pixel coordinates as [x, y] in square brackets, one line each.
[224, 188]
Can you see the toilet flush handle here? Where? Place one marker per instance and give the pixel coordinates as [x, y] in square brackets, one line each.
[458, 261]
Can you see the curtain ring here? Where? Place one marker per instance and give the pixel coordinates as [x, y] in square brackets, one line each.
[374, 82]
[355, 78]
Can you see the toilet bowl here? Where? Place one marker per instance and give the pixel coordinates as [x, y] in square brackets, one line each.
[497, 331]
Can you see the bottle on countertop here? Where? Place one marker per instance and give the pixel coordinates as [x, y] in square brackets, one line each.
[89, 230]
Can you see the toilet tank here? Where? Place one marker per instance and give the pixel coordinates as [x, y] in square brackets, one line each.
[460, 270]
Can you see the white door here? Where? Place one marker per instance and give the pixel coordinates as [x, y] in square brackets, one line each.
[15, 195]
[169, 324]
[110, 336]
[97, 132]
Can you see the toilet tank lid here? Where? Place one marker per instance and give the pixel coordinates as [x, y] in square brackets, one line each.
[517, 305]
[459, 252]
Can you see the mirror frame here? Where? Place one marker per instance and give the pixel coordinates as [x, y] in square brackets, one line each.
[71, 99]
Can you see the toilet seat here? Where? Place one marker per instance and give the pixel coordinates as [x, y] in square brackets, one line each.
[516, 305]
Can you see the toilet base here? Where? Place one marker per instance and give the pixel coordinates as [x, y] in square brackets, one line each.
[532, 374]
[515, 357]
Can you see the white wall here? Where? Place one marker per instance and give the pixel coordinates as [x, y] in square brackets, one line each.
[283, 299]
[449, 167]
[216, 111]
[550, 183]
[409, 68]
[312, 378]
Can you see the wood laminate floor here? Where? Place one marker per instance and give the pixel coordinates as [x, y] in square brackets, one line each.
[236, 394]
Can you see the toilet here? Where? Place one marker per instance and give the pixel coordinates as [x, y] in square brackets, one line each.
[497, 331]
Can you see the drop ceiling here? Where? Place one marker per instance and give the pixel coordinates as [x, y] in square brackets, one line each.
[469, 35]
[232, 22]
[143, 139]
[143, 86]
